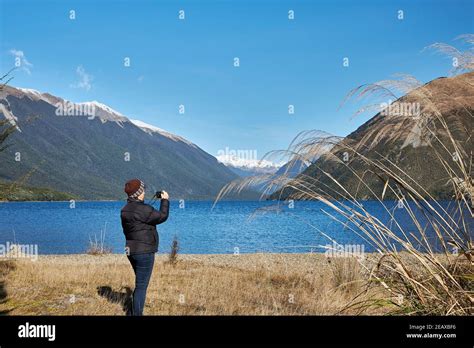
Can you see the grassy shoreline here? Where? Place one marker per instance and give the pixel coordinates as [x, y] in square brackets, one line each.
[225, 284]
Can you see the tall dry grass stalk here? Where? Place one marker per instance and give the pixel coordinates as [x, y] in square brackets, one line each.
[97, 246]
[418, 277]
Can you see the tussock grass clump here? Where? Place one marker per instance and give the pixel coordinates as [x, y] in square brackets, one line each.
[97, 246]
[346, 272]
[98, 249]
[427, 268]
[6, 266]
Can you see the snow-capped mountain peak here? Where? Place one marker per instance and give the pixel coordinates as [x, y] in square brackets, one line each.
[104, 112]
[91, 109]
[103, 107]
[31, 92]
[150, 129]
[34, 94]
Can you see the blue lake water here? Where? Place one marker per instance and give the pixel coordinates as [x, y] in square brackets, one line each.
[230, 226]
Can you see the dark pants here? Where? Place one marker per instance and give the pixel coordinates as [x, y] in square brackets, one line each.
[143, 267]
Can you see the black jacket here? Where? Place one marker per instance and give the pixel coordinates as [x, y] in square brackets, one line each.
[139, 222]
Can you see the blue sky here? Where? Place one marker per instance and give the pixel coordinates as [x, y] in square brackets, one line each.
[191, 61]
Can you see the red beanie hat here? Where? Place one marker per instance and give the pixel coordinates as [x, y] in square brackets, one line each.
[134, 188]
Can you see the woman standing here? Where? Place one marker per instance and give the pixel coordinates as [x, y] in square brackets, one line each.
[139, 222]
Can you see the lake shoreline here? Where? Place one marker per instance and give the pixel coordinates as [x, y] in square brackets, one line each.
[229, 259]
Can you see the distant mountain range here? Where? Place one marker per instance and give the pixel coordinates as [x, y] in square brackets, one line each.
[244, 167]
[403, 141]
[89, 150]
[261, 169]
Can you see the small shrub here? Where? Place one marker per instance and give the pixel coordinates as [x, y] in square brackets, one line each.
[173, 255]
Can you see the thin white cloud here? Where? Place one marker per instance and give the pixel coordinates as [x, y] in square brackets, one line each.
[21, 61]
[140, 78]
[85, 79]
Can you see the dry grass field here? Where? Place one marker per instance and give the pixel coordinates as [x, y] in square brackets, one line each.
[246, 284]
